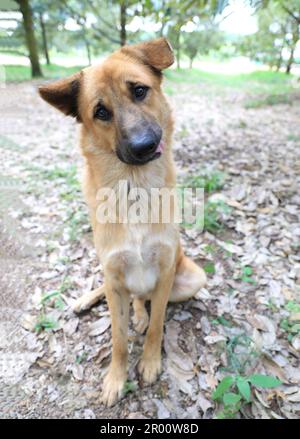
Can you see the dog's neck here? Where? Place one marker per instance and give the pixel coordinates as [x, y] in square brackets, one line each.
[106, 170]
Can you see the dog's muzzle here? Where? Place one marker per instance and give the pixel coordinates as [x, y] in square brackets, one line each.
[141, 147]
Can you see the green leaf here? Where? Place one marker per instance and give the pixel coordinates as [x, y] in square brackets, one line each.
[244, 388]
[264, 381]
[49, 296]
[129, 387]
[231, 398]
[224, 385]
[209, 267]
[247, 271]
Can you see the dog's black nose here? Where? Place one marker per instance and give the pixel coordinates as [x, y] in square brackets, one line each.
[143, 143]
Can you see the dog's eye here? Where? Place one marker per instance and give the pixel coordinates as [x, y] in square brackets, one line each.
[102, 113]
[140, 92]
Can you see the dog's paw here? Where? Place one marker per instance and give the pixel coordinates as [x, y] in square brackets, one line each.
[89, 299]
[140, 321]
[112, 389]
[149, 368]
[82, 304]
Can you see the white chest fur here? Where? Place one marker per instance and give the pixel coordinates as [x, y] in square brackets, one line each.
[142, 256]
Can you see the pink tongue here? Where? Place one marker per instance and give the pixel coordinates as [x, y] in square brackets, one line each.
[160, 147]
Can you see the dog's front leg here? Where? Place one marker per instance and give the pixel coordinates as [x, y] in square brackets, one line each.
[150, 364]
[113, 384]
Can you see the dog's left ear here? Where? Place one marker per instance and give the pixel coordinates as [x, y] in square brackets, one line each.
[157, 53]
[63, 94]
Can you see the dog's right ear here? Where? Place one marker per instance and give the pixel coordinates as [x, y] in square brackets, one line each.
[63, 94]
[156, 53]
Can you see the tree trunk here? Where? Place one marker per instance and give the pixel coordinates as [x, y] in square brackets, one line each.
[279, 62]
[163, 25]
[123, 22]
[191, 63]
[30, 37]
[290, 61]
[163, 22]
[88, 51]
[296, 36]
[44, 37]
[178, 52]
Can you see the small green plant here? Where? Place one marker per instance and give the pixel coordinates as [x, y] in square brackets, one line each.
[45, 323]
[235, 390]
[56, 294]
[292, 306]
[58, 303]
[81, 357]
[209, 267]
[246, 275]
[212, 216]
[210, 248]
[76, 219]
[292, 328]
[222, 321]
[210, 182]
[239, 353]
[291, 324]
[129, 387]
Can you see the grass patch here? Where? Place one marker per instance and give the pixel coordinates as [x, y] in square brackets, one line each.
[18, 73]
[210, 182]
[258, 81]
[267, 101]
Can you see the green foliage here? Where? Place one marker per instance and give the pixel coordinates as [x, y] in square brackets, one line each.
[209, 267]
[239, 354]
[277, 37]
[213, 215]
[246, 275]
[129, 387]
[222, 321]
[291, 324]
[45, 323]
[292, 306]
[235, 390]
[209, 181]
[81, 357]
[75, 220]
[202, 41]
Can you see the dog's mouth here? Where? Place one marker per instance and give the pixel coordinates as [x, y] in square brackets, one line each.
[126, 156]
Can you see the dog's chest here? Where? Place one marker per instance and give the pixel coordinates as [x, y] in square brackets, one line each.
[142, 257]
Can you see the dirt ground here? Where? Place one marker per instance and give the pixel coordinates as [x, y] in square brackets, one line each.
[245, 321]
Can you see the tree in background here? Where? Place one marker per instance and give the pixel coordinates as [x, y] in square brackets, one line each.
[285, 14]
[31, 43]
[277, 37]
[203, 41]
[110, 17]
[175, 14]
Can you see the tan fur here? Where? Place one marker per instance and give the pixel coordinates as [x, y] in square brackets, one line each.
[143, 260]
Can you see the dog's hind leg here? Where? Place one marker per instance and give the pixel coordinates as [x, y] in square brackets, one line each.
[189, 278]
[140, 316]
[89, 299]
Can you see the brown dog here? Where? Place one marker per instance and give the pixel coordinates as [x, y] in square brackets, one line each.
[126, 129]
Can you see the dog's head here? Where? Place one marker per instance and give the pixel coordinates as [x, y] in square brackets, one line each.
[120, 103]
